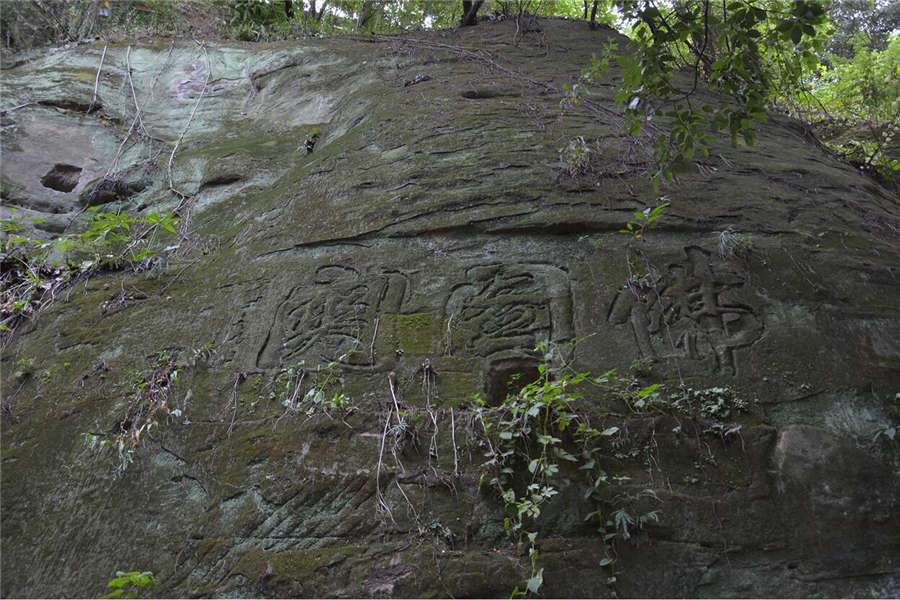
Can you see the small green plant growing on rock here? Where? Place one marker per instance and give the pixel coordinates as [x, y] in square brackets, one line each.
[542, 433]
[24, 368]
[113, 240]
[133, 584]
[35, 271]
[13, 224]
[321, 396]
[644, 220]
[624, 524]
[148, 405]
[718, 403]
[576, 157]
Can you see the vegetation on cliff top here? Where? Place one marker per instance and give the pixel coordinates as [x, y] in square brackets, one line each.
[835, 65]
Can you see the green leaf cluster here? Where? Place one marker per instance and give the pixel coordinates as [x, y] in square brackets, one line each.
[324, 394]
[748, 50]
[133, 584]
[644, 220]
[34, 269]
[855, 101]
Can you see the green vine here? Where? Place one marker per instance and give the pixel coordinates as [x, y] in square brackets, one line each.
[545, 432]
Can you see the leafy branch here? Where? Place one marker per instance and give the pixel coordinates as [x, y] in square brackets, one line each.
[34, 271]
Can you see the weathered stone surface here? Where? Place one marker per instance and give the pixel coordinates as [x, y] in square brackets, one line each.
[434, 233]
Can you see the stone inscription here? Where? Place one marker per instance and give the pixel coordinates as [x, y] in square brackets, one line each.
[503, 309]
[695, 311]
[331, 316]
[491, 311]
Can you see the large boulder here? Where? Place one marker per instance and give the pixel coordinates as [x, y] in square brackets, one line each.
[402, 220]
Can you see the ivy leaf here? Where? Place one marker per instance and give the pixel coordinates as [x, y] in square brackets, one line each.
[565, 455]
[534, 583]
[647, 391]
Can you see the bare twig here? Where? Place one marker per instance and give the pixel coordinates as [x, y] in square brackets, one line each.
[448, 338]
[60, 27]
[453, 441]
[427, 392]
[411, 508]
[153, 87]
[187, 125]
[115, 164]
[185, 209]
[114, 167]
[174, 279]
[97, 79]
[380, 502]
[392, 381]
[881, 139]
[491, 62]
[138, 112]
[293, 402]
[372, 345]
[292, 405]
[137, 108]
[238, 378]
[161, 67]
[6, 110]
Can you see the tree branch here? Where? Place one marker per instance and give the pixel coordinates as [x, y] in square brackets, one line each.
[187, 125]
[97, 80]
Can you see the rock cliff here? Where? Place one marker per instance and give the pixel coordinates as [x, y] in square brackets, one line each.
[375, 230]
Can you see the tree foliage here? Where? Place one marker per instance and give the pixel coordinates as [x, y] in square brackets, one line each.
[752, 51]
[866, 85]
[876, 20]
[38, 23]
[854, 103]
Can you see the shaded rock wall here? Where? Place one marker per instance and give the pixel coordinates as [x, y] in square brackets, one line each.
[436, 234]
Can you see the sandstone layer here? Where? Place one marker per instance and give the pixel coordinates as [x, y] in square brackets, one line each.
[439, 231]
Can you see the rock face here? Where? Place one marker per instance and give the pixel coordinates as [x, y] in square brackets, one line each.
[432, 238]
